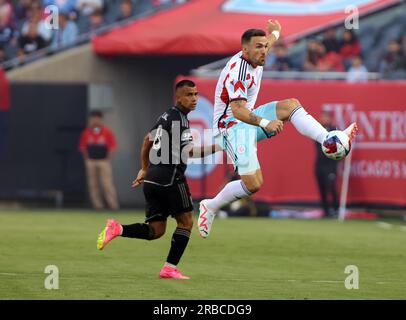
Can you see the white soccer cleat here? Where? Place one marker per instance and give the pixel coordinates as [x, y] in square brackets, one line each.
[350, 131]
[205, 220]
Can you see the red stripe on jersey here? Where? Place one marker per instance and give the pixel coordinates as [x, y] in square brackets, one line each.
[224, 94]
[233, 65]
[239, 85]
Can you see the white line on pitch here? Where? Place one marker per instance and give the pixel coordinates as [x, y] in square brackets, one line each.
[8, 274]
[384, 225]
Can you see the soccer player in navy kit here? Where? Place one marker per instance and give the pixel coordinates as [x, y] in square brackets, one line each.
[163, 158]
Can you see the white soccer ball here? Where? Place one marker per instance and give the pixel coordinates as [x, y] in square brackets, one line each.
[336, 145]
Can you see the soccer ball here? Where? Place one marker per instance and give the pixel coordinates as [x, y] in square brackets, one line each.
[336, 145]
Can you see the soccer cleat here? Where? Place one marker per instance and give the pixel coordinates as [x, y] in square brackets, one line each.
[112, 230]
[205, 220]
[171, 273]
[350, 131]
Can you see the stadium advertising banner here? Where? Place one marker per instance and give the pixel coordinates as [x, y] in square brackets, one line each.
[215, 26]
[378, 169]
[4, 92]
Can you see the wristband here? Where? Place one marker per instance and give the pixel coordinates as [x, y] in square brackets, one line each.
[276, 33]
[263, 123]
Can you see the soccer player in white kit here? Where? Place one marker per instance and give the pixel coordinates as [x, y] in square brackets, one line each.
[238, 126]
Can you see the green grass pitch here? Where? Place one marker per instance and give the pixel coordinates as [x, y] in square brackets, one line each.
[244, 258]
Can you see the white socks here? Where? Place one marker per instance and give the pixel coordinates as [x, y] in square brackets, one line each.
[167, 264]
[307, 125]
[232, 191]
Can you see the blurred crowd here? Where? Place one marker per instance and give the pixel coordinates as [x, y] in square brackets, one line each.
[23, 27]
[339, 54]
[24, 30]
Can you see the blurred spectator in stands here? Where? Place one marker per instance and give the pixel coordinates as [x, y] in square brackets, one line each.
[402, 64]
[126, 10]
[97, 144]
[66, 6]
[31, 41]
[157, 3]
[8, 35]
[312, 56]
[6, 10]
[87, 7]
[66, 34]
[96, 20]
[35, 16]
[330, 40]
[325, 170]
[349, 48]
[392, 58]
[282, 62]
[357, 72]
[329, 61]
[3, 55]
[21, 9]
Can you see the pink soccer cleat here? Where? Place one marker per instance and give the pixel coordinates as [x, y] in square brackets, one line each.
[351, 130]
[112, 230]
[171, 273]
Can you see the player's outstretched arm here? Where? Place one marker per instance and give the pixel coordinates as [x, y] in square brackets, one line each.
[241, 113]
[203, 151]
[274, 30]
[146, 147]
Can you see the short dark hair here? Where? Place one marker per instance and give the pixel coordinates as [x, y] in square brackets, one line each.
[185, 83]
[96, 113]
[247, 35]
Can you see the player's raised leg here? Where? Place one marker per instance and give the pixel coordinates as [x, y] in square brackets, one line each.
[293, 111]
[180, 240]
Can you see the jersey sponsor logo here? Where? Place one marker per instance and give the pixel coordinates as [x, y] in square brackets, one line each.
[187, 136]
[291, 7]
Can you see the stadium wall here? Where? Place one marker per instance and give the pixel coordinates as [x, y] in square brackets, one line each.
[141, 89]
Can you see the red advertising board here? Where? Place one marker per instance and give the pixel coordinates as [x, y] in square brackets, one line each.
[378, 170]
[4, 92]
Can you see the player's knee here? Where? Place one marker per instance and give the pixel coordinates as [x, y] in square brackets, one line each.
[254, 186]
[186, 222]
[157, 232]
[293, 103]
[285, 108]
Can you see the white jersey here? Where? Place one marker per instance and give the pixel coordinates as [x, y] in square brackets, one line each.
[238, 80]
